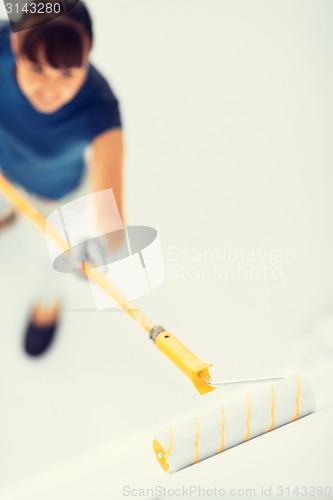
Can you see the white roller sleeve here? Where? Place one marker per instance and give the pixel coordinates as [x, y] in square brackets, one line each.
[233, 422]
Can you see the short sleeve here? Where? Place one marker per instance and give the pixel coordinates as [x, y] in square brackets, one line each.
[100, 104]
[104, 115]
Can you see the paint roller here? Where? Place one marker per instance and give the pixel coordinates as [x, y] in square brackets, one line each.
[233, 422]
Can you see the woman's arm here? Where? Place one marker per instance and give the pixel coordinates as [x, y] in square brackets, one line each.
[107, 171]
[107, 164]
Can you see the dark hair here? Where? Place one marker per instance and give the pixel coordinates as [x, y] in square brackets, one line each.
[61, 39]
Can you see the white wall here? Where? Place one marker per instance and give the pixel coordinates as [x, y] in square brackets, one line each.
[228, 115]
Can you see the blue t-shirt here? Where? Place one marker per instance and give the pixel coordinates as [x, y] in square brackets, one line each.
[44, 153]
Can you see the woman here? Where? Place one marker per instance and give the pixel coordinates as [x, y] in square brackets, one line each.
[53, 105]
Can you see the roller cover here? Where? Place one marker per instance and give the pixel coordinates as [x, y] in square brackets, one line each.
[233, 422]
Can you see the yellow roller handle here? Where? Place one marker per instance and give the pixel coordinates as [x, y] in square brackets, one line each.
[195, 369]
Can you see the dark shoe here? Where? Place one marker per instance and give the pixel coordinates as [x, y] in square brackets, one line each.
[39, 338]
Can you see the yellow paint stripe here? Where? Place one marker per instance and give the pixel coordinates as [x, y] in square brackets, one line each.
[169, 450]
[221, 447]
[197, 440]
[298, 398]
[271, 427]
[248, 418]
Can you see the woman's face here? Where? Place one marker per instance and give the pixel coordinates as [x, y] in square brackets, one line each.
[47, 88]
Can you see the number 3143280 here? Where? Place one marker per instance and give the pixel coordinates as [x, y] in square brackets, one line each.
[34, 8]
